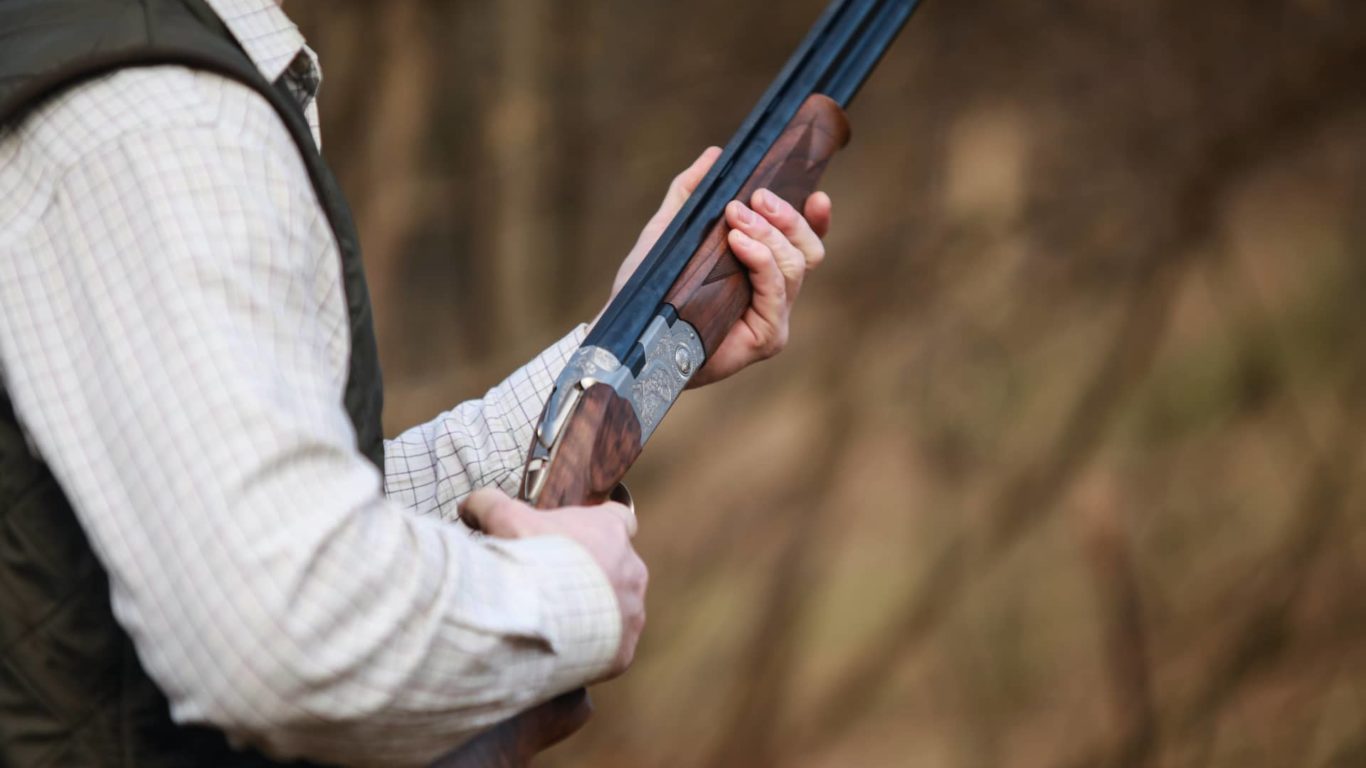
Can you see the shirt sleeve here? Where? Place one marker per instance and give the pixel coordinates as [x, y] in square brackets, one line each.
[431, 467]
[169, 331]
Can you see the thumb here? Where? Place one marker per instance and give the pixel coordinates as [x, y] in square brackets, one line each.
[680, 189]
[685, 183]
[495, 513]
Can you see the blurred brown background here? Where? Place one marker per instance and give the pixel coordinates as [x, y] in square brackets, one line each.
[1064, 464]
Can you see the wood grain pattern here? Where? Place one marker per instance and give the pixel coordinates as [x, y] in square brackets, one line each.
[713, 291]
[601, 441]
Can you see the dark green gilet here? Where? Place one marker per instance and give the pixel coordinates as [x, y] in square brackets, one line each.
[72, 691]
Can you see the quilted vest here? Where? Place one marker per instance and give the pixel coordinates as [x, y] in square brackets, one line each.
[72, 691]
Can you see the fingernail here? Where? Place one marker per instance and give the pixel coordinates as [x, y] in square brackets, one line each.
[745, 214]
[768, 200]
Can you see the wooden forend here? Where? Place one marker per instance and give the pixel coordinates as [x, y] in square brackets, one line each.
[714, 290]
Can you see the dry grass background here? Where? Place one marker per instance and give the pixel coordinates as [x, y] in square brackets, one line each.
[1064, 464]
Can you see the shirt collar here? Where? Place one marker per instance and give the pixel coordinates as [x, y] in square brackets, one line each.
[264, 31]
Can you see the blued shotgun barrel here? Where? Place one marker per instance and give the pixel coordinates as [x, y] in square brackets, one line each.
[591, 433]
[834, 59]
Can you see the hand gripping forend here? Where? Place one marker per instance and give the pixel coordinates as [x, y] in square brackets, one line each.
[713, 291]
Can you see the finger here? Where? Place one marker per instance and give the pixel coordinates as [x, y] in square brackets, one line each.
[685, 183]
[794, 227]
[791, 261]
[819, 210]
[623, 513]
[491, 511]
[768, 281]
[680, 189]
[478, 507]
[769, 300]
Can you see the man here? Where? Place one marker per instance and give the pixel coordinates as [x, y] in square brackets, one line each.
[208, 556]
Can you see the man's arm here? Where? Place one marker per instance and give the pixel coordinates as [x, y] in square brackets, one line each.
[176, 357]
[431, 468]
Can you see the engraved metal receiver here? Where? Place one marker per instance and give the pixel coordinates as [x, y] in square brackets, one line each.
[666, 356]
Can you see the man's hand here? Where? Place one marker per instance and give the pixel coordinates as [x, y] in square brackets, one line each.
[776, 244]
[604, 531]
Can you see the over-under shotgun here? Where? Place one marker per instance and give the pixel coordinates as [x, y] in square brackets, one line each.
[679, 305]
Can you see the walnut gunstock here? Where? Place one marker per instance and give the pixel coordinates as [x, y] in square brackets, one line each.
[600, 443]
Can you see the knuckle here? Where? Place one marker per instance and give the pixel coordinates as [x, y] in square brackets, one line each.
[504, 520]
[777, 342]
[784, 214]
[773, 255]
[493, 514]
[766, 348]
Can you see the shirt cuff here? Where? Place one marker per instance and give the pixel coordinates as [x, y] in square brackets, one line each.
[580, 616]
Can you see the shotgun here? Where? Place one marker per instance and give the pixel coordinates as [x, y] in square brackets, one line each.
[678, 306]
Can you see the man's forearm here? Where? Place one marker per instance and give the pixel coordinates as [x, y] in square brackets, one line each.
[430, 468]
[389, 638]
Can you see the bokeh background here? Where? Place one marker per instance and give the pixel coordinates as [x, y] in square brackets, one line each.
[1064, 463]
